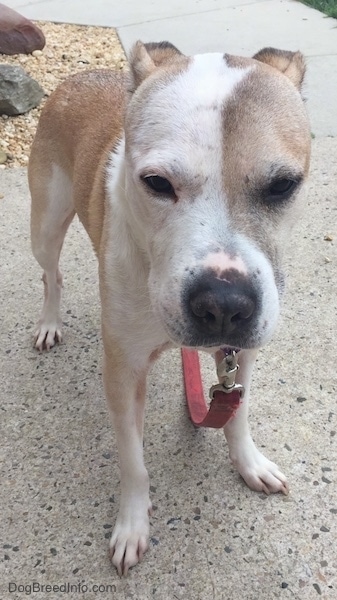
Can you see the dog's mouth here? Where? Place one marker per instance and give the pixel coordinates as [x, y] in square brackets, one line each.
[224, 350]
[229, 349]
[182, 334]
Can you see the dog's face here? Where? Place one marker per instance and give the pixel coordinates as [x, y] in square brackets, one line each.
[217, 150]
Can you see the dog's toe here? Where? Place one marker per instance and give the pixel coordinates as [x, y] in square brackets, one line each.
[47, 335]
[260, 474]
[265, 477]
[127, 553]
[128, 544]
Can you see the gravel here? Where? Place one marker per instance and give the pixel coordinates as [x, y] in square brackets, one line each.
[69, 49]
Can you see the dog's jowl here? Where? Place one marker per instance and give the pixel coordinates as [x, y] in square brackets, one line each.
[187, 179]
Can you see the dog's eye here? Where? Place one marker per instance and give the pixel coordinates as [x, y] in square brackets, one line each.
[281, 188]
[158, 184]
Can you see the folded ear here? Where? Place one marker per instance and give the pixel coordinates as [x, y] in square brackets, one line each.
[145, 58]
[291, 64]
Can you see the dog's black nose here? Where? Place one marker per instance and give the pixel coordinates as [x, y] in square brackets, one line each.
[221, 307]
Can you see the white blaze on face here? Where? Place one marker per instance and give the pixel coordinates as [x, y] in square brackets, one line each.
[179, 127]
[211, 78]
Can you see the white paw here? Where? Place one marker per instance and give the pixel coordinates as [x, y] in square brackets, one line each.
[129, 540]
[47, 334]
[259, 473]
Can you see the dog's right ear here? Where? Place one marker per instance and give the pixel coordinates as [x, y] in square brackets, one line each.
[145, 58]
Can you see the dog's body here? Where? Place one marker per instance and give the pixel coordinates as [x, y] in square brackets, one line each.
[187, 190]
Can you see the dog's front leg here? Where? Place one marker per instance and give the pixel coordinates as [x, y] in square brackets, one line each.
[258, 472]
[125, 391]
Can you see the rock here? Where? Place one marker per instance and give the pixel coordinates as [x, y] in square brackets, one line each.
[18, 35]
[18, 91]
[3, 158]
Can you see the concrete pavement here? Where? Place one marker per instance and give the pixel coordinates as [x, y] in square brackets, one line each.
[211, 537]
[234, 26]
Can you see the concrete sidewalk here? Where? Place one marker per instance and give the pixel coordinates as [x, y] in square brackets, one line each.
[234, 26]
[211, 537]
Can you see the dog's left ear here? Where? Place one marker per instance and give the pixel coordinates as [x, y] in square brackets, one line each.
[291, 64]
[145, 58]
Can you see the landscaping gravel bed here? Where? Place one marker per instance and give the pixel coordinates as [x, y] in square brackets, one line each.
[69, 49]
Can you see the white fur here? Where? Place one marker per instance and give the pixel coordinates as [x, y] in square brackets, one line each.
[131, 317]
[154, 241]
[151, 245]
[46, 247]
[195, 121]
[175, 235]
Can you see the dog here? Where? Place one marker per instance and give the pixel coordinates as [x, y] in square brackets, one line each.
[187, 174]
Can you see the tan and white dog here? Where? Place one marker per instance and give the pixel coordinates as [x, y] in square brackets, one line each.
[186, 174]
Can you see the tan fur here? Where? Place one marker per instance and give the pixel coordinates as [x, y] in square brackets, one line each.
[145, 58]
[291, 64]
[247, 166]
[80, 127]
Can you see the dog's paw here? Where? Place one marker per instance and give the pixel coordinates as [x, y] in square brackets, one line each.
[129, 541]
[260, 474]
[47, 334]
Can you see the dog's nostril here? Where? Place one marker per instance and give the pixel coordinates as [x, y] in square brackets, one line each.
[209, 316]
[246, 310]
[236, 318]
[205, 308]
[209, 319]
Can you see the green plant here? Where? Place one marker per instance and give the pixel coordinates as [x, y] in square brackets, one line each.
[329, 7]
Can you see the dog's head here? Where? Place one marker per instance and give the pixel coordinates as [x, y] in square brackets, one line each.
[217, 151]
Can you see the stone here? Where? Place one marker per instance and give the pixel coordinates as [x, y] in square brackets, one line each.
[18, 35]
[3, 158]
[18, 91]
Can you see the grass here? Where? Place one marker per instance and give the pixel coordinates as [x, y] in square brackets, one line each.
[329, 7]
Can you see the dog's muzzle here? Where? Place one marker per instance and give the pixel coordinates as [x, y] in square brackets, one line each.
[221, 310]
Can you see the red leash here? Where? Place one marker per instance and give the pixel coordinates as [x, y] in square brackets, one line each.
[223, 405]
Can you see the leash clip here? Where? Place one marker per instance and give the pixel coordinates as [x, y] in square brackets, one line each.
[226, 372]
